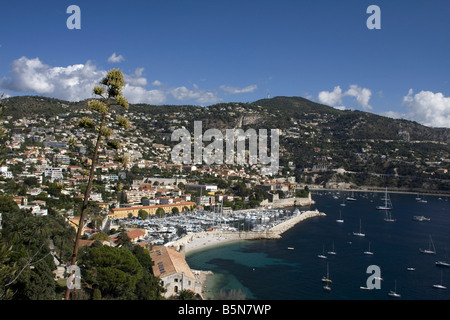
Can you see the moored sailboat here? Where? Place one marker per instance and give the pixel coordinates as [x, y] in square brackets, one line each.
[322, 256]
[431, 249]
[387, 202]
[340, 220]
[394, 292]
[368, 252]
[440, 286]
[359, 234]
[327, 280]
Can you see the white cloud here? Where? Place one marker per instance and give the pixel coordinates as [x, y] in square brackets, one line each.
[331, 98]
[200, 96]
[115, 58]
[136, 94]
[235, 90]
[428, 108]
[156, 83]
[393, 114]
[75, 82]
[334, 98]
[136, 79]
[362, 96]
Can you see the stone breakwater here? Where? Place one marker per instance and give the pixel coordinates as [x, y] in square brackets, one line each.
[286, 225]
[201, 240]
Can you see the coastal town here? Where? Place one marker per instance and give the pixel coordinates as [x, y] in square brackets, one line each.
[166, 208]
[139, 193]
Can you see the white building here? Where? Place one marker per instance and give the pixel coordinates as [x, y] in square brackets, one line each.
[53, 173]
[175, 274]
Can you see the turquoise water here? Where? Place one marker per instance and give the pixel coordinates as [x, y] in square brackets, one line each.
[267, 269]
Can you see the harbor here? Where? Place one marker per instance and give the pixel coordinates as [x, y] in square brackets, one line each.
[201, 240]
[292, 262]
[199, 228]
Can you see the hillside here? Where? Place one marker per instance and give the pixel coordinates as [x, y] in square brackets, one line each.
[279, 112]
[355, 124]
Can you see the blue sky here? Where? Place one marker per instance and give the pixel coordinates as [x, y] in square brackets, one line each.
[203, 52]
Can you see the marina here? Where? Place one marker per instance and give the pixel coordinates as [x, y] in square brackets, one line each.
[405, 273]
[172, 228]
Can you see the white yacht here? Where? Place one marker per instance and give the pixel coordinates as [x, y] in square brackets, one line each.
[340, 220]
[332, 252]
[431, 249]
[394, 293]
[387, 202]
[439, 286]
[322, 256]
[368, 252]
[359, 234]
[352, 198]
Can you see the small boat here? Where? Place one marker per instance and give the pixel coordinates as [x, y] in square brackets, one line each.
[388, 217]
[359, 234]
[368, 252]
[332, 252]
[421, 199]
[387, 202]
[322, 256]
[327, 287]
[352, 198]
[439, 286]
[431, 249]
[327, 280]
[394, 293]
[420, 218]
[290, 248]
[411, 269]
[442, 263]
[340, 220]
[327, 277]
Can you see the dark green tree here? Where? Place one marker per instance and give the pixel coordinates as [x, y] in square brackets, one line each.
[114, 271]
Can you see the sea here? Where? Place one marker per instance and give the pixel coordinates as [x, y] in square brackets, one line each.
[290, 269]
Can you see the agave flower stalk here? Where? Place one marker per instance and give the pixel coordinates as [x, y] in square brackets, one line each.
[110, 93]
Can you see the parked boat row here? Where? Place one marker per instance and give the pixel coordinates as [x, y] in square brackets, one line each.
[172, 227]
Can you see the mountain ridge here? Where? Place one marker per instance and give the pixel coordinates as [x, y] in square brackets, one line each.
[282, 109]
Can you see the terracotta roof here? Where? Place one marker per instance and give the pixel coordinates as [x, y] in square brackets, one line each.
[136, 233]
[169, 261]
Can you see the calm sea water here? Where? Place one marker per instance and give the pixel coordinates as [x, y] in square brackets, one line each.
[267, 269]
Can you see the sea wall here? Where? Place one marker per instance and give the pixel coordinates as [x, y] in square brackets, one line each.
[286, 225]
[289, 202]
